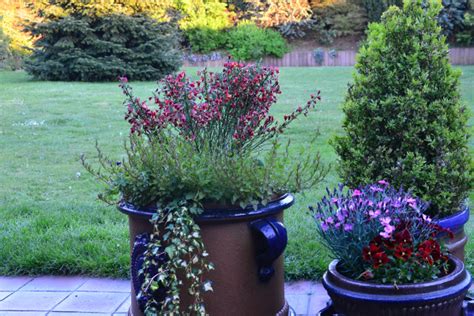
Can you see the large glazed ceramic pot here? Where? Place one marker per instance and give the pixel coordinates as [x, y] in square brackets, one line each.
[441, 297]
[455, 223]
[245, 246]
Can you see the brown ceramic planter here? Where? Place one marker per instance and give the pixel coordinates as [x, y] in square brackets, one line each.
[441, 297]
[233, 245]
[456, 223]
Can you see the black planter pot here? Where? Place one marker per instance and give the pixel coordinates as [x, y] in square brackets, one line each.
[455, 223]
[246, 247]
[441, 297]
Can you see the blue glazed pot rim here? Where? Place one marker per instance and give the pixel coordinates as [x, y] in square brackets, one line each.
[459, 280]
[217, 214]
[455, 221]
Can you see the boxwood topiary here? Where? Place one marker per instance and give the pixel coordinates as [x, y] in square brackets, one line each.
[404, 119]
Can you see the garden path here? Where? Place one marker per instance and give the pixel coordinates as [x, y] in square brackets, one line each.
[80, 296]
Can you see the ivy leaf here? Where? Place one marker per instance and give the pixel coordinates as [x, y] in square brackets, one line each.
[207, 286]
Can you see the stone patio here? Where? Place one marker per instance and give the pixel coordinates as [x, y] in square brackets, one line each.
[78, 296]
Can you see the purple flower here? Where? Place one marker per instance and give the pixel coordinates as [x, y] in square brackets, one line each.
[340, 216]
[376, 189]
[348, 227]
[330, 220]
[426, 218]
[324, 226]
[382, 182]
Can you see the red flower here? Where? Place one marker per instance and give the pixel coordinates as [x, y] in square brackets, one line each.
[369, 252]
[383, 242]
[379, 259]
[425, 251]
[402, 252]
[403, 237]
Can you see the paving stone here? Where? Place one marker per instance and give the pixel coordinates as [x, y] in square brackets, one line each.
[298, 287]
[13, 283]
[316, 303]
[92, 302]
[32, 301]
[106, 285]
[318, 289]
[4, 294]
[298, 302]
[125, 306]
[54, 283]
[77, 314]
[22, 313]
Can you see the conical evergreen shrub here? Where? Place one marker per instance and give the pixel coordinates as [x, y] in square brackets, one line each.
[102, 48]
[404, 119]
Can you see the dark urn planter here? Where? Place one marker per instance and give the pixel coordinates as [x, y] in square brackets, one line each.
[246, 247]
[441, 297]
[456, 223]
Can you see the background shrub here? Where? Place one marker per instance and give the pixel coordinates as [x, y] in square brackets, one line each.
[341, 18]
[5, 54]
[466, 36]
[292, 18]
[404, 121]
[451, 16]
[249, 42]
[204, 23]
[375, 8]
[103, 48]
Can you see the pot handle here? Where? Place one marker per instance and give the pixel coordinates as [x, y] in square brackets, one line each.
[136, 264]
[270, 241]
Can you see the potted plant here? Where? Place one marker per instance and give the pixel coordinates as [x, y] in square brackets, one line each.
[204, 181]
[404, 118]
[388, 259]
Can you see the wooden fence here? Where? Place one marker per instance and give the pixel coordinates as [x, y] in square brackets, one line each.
[306, 58]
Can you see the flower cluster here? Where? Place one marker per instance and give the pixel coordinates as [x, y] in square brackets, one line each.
[381, 233]
[227, 110]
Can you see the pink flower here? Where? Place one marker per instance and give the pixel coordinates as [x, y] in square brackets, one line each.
[412, 202]
[382, 182]
[385, 221]
[375, 214]
[426, 218]
[356, 193]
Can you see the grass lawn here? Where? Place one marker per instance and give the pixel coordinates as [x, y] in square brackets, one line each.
[50, 219]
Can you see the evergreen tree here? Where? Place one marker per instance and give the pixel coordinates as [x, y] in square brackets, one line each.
[103, 48]
[404, 121]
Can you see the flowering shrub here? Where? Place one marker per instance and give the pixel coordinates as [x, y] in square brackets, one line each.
[379, 233]
[224, 111]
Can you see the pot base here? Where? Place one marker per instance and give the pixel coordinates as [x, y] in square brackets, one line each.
[285, 311]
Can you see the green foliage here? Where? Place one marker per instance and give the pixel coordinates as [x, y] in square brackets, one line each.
[14, 14]
[339, 19]
[466, 36]
[204, 23]
[103, 48]
[375, 8]
[451, 16]
[404, 120]
[249, 42]
[5, 54]
[176, 234]
[54, 9]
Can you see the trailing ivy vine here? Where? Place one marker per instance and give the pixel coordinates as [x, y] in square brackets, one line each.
[177, 236]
